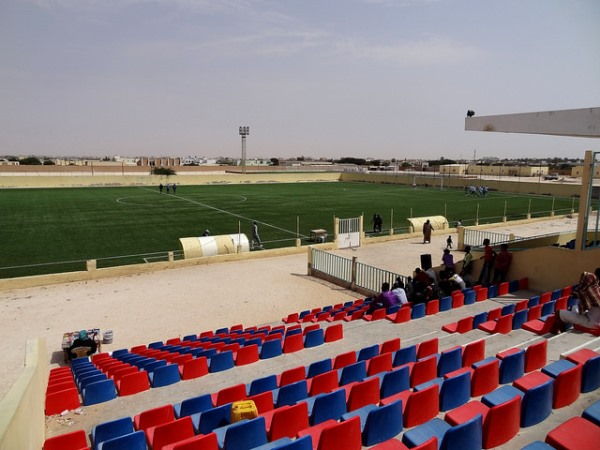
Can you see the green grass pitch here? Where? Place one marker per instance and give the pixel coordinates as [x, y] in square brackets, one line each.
[41, 227]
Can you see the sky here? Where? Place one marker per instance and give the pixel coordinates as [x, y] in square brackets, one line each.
[316, 78]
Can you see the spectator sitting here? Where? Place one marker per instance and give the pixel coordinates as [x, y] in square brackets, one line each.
[83, 341]
[384, 300]
[399, 292]
[587, 312]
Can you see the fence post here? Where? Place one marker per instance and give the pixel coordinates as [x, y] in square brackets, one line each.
[353, 276]
[171, 256]
[504, 217]
[460, 245]
[336, 230]
[90, 265]
[309, 264]
[392, 222]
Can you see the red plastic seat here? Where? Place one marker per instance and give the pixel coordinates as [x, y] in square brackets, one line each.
[536, 356]
[576, 433]
[74, 440]
[535, 312]
[391, 345]
[287, 421]
[334, 332]
[500, 423]
[291, 318]
[473, 352]
[337, 316]
[503, 289]
[60, 401]
[335, 435]
[323, 383]
[60, 386]
[153, 417]
[417, 407]
[485, 376]
[363, 393]
[290, 376]
[162, 435]
[482, 294]
[379, 363]
[203, 441]
[378, 314]
[538, 326]
[355, 315]
[458, 299]
[293, 343]
[344, 359]
[194, 368]
[432, 307]
[263, 401]
[395, 444]
[494, 314]
[247, 355]
[401, 316]
[427, 348]
[230, 394]
[133, 383]
[503, 325]
[423, 370]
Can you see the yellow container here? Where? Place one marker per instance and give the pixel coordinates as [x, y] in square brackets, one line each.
[243, 409]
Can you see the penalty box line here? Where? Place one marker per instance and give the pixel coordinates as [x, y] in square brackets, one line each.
[223, 211]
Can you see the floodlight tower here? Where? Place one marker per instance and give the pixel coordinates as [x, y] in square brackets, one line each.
[244, 131]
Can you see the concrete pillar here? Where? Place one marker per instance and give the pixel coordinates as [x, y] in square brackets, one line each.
[171, 256]
[90, 265]
[298, 242]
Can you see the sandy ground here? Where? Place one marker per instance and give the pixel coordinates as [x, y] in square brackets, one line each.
[150, 307]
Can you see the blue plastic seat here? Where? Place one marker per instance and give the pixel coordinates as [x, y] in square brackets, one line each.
[271, 349]
[512, 366]
[465, 436]
[99, 392]
[112, 429]
[242, 435]
[378, 424]
[153, 365]
[302, 443]
[206, 421]
[417, 311]
[492, 291]
[507, 309]
[291, 393]
[592, 413]
[455, 391]
[519, 318]
[394, 381]
[536, 404]
[470, 296]
[533, 301]
[314, 338]
[156, 345]
[513, 286]
[119, 352]
[405, 355]
[479, 319]
[319, 367]
[84, 381]
[131, 441]
[353, 372]
[538, 445]
[323, 407]
[221, 361]
[260, 385]
[449, 361]
[164, 376]
[446, 303]
[556, 294]
[193, 405]
[548, 308]
[367, 353]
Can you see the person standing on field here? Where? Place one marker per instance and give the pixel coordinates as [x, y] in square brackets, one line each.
[255, 236]
[427, 229]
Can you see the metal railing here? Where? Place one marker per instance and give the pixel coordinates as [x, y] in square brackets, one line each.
[475, 238]
[351, 273]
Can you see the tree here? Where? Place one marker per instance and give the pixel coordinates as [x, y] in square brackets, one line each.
[30, 161]
[163, 171]
[49, 162]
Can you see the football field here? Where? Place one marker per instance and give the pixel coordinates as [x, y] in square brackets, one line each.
[52, 230]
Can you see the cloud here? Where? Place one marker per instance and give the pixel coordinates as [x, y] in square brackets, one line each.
[433, 50]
